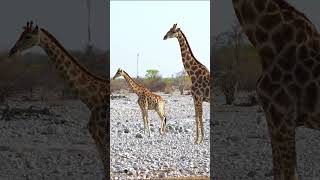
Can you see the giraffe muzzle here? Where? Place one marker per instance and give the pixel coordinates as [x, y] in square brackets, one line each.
[12, 51]
[165, 37]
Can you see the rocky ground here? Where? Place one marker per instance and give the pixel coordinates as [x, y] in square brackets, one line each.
[134, 155]
[46, 140]
[241, 145]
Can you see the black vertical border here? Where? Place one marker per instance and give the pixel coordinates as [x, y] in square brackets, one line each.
[211, 90]
[108, 175]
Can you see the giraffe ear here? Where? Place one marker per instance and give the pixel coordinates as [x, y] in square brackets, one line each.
[178, 29]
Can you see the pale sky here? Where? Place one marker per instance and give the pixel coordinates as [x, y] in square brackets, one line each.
[65, 19]
[139, 27]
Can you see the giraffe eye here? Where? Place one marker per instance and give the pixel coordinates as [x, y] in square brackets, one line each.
[28, 37]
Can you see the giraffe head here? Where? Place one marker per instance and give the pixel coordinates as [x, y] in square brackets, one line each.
[119, 73]
[173, 32]
[29, 37]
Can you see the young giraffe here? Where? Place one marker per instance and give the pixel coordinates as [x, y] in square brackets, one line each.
[92, 90]
[146, 100]
[289, 86]
[200, 77]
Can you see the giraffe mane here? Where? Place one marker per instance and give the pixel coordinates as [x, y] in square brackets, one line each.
[285, 5]
[71, 57]
[189, 47]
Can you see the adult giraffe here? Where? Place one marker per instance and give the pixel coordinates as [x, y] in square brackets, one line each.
[93, 91]
[199, 74]
[288, 88]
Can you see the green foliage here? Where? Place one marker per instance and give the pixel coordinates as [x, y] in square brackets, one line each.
[152, 74]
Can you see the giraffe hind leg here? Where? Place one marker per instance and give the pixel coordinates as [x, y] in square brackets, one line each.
[162, 120]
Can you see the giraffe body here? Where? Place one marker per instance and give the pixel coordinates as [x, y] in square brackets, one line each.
[200, 78]
[91, 90]
[146, 100]
[288, 88]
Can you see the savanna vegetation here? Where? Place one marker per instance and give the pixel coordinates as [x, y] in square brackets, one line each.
[36, 77]
[236, 63]
[155, 82]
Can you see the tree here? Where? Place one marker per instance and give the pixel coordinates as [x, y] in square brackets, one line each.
[152, 74]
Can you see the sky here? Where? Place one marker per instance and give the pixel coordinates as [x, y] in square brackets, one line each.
[65, 19]
[223, 13]
[139, 27]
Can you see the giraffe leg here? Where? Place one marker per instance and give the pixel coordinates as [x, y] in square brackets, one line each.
[162, 119]
[148, 124]
[145, 119]
[97, 127]
[198, 108]
[283, 152]
[201, 123]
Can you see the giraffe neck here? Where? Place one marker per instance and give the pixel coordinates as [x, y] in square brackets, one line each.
[190, 63]
[87, 86]
[273, 27]
[136, 88]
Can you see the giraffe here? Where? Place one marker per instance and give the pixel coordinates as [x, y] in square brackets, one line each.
[93, 91]
[200, 77]
[146, 100]
[288, 89]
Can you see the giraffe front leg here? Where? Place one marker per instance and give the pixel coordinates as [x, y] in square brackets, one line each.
[283, 152]
[201, 123]
[144, 117]
[197, 105]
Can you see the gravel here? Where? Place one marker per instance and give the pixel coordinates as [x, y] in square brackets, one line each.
[242, 149]
[134, 155]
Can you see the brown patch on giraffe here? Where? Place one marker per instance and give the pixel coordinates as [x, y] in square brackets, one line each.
[266, 52]
[269, 21]
[315, 47]
[282, 99]
[272, 7]
[267, 86]
[300, 36]
[287, 15]
[282, 36]
[187, 65]
[198, 72]
[276, 74]
[260, 5]
[300, 24]
[288, 59]
[261, 35]
[67, 64]
[294, 90]
[73, 72]
[248, 13]
[308, 63]
[311, 97]
[303, 52]
[316, 71]
[287, 78]
[301, 74]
